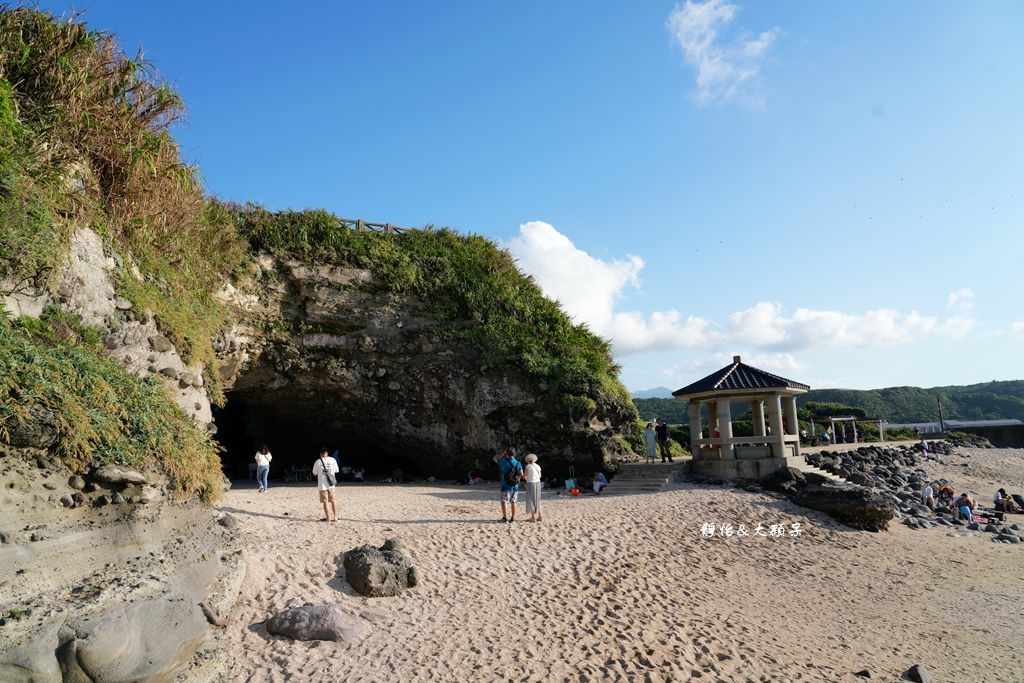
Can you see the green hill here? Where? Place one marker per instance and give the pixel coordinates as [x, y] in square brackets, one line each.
[988, 401]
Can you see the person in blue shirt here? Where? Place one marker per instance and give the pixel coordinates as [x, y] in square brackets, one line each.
[508, 464]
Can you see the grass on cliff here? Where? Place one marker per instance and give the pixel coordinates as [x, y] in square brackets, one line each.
[471, 283]
[103, 414]
[85, 141]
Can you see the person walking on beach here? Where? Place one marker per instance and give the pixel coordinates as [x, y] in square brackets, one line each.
[263, 458]
[325, 470]
[662, 433]
[533, 487]
[650, 443]
[511, 475]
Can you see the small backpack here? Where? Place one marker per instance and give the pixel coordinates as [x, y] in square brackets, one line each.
[513, 476]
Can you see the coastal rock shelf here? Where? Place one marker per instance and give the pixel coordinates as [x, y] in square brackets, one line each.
[104, 578]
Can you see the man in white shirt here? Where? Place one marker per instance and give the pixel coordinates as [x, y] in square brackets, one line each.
[325, 469]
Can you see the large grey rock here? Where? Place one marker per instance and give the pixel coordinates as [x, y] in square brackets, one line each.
[160, 343]
[783, 479]
[39, 430]
[918, 674]
[856, 507]
[379, 572]
[149, 640]
[118, 475]
[316, 622]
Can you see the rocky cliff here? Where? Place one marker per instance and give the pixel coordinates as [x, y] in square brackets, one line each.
[133, 305]
[333, 355]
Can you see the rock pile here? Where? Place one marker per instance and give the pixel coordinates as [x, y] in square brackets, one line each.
[897, 475]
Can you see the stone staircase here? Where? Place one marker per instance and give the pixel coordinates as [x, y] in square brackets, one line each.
[641, 478]
[807, 467]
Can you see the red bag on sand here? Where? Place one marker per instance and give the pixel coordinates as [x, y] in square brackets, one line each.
[575, 492]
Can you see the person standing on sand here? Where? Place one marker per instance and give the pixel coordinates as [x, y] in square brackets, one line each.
[263, 458]
[650, 443]
[324, 469]
[662, 433]
[511, 474]
[533, 486]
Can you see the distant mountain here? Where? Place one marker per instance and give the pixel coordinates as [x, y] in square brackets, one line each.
[656, 392]
[988, 401]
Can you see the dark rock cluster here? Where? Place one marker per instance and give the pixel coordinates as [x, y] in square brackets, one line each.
[897, 475]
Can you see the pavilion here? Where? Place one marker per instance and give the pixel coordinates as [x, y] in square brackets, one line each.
[719, 454]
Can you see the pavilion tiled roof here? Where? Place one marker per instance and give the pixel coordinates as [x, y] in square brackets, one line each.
[738, 376]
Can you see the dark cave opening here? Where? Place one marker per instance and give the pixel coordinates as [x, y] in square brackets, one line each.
[295, 442]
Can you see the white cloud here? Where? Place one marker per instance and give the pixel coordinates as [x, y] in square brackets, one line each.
[961, 299]
[590, 290]
[725, 72]
[1017, 329]
[773, 362]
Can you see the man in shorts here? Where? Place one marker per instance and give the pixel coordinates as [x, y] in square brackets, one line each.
[322, 468]
[508, 464]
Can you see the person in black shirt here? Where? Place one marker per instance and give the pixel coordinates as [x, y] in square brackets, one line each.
[661, 431]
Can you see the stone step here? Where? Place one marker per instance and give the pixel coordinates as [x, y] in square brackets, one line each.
[640, 478]
[807, 467]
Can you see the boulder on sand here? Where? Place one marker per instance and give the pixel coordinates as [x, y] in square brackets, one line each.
[379, 572]
[316, 622]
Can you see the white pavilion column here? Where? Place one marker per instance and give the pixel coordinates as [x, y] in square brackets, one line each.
[694, 411]
[724, 412]
[757, 413]
[789, 406]
[712, 418]
[775, 420]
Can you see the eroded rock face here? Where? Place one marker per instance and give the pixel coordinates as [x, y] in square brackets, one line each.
[854, 506]
[330, 354]
[111, 591]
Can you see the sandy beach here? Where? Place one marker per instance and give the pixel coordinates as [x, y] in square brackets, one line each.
[626, 587]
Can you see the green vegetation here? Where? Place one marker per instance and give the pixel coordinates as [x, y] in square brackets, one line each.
[988, 401]
[85, 141]
[102, 412]
[470, 283]
[670, 410]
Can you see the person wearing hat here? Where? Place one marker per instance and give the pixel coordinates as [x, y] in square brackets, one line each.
[533, 487]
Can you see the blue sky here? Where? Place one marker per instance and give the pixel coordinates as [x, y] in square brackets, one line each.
[831, 190]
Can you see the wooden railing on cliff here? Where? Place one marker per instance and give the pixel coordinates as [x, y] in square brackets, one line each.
[380, 227]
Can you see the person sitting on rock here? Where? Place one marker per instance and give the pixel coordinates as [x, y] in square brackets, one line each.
[928, 495]
[600, 481]
[1002, 502]
[965, 506]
